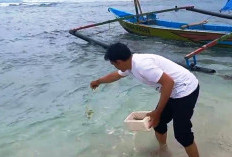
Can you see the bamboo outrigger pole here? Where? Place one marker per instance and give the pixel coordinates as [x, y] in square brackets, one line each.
[210, 13]
[202, 48]
[128, 17]
[104, 45]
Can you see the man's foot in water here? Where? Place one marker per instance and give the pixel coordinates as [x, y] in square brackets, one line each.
[163, 151]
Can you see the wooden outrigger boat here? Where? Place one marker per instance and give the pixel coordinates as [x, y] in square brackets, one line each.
[151, 26]
[147, 24]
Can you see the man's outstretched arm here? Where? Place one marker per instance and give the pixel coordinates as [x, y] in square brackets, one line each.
[114, 76]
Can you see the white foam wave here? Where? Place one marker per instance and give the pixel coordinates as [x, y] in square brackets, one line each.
[9, 4]
[61, 1]
[4, 3]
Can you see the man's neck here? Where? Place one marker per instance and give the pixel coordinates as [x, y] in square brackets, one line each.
[130, 63]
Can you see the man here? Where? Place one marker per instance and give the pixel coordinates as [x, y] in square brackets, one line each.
[178, 87]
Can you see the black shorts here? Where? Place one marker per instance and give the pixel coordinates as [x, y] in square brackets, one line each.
[181, 111]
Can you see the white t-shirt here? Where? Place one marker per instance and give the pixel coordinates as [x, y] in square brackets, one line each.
[148, 68]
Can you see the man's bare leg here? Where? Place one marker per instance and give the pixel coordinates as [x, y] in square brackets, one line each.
[163, 148]
[162, 139]
[192, 150]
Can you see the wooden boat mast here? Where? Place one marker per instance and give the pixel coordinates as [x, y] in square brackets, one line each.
[137, 9]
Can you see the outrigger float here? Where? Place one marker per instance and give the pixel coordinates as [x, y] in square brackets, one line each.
[147, 24]
[191, 66]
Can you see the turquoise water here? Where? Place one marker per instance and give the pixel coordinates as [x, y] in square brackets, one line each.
[45, 74]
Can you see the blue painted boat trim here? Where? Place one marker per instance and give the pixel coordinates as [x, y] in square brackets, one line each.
[176, 25]
[228, 6]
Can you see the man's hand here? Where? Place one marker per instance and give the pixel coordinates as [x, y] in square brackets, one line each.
[95, 84]
[154, 118]
[114, 76]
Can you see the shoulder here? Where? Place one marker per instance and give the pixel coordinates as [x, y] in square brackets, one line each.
[144, 61]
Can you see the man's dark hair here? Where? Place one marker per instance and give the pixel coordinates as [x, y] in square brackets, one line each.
[117, 51]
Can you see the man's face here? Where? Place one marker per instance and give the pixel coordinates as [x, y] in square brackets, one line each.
[119, 64]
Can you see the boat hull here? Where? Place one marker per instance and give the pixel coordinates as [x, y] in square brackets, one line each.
[193, 35]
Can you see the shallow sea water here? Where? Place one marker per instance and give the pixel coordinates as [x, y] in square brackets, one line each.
[45, 74]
